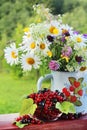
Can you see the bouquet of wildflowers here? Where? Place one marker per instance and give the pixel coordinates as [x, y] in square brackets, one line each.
[51, 43]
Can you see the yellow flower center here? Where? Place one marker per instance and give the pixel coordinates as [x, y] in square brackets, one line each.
[53, 30]
[64, 31]
[83, 68]
[33, 45]
[26, 29]
[13, 54]
[78, 39]
[42, 46]
[49, 53]
[30, 61]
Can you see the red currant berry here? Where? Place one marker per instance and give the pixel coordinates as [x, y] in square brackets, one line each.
[19, 118]
[67, 93]
[64, 90]
[76, 84]
[80, 92]
[73, 98]
[71, 88]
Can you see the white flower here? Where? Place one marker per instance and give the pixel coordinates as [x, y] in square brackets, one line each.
[66, 28]
[11, 54]
[27, 35]
[54, 28]
[29, 61]
[29, 46]
[79, 41]
[43, 47]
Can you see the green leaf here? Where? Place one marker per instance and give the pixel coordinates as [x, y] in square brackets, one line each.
[28, 107]
[20, 125]
[78, 103]
[71, 80]
[66, 107]
[59, 106]
[80, 80]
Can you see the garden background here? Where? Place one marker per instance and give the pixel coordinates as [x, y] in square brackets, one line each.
[15, 15]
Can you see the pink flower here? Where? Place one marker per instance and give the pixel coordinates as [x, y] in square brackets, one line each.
[67, 51]
[53, 65]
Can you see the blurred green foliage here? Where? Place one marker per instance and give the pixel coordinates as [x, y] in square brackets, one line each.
[13, 90]
[17, 14]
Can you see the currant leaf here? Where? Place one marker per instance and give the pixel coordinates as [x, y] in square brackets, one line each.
[80, 80]
[78, 103]
[28, 107]
[20, 125]
[71, 80]
[66, 107]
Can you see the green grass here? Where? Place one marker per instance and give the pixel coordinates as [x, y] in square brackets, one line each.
[13, 90]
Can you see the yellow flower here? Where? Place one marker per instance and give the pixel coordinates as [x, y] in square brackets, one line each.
[65, 57]
[26, 29]
[49, 53]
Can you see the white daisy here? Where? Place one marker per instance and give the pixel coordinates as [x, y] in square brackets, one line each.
[66, 28]
[11, 54]
[79, 41]
[79, 38]
[29, 61]
[43, 47]
[27, 35]
[54, 28]
[31, 45]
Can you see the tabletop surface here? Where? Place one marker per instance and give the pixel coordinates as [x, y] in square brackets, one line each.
[6, 123]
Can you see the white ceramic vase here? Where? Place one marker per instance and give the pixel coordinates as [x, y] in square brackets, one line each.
[59, 80]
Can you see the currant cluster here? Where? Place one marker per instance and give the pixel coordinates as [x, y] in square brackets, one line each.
[27, 119]
[70, 116]
[46, 101]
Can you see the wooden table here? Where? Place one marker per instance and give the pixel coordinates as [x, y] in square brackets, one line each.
[7, 119]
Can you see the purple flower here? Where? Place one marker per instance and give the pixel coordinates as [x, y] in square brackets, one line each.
[67, 34]
[50, 38]
[63, 39]
[75, 32]
[53, 65]
[79, 59]
[85, 36]
[67, 51]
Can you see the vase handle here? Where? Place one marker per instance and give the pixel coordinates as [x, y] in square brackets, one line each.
[42, 79]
